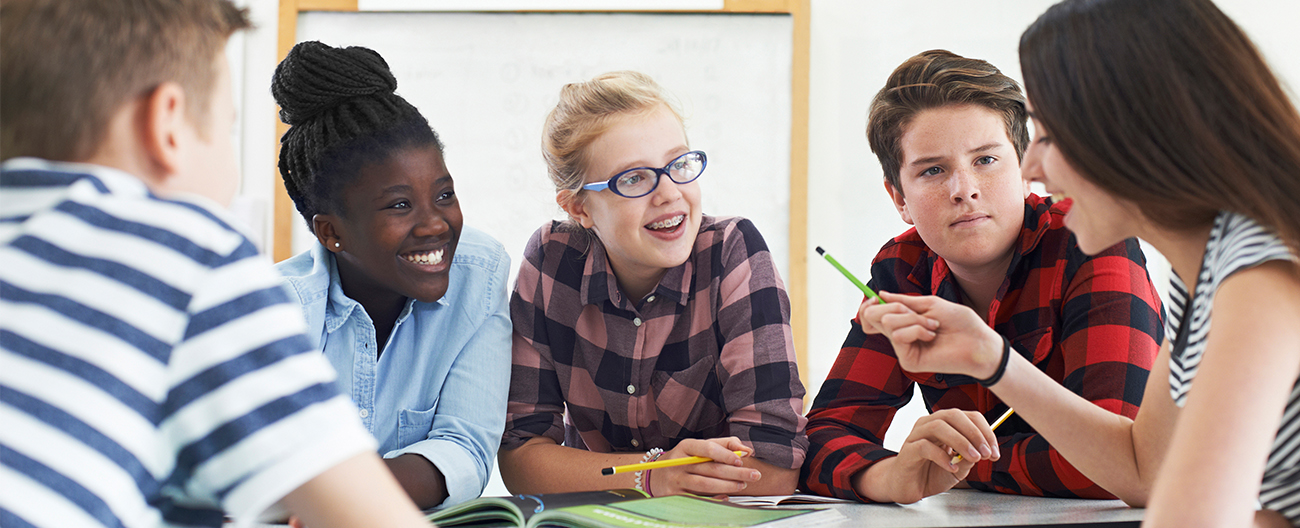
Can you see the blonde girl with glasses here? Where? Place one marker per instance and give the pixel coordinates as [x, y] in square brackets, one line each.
[643, 328]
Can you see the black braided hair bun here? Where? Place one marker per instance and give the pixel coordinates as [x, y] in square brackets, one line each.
[315, 77]
[343, 113]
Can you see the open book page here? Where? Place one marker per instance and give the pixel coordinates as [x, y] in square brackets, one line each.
[782, 500]
[518, 509]
[683, 511]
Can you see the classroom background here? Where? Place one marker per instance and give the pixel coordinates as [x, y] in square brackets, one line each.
[854, 45]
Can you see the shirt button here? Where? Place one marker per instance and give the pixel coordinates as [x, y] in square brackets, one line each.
[650, 299]
[364, 413]
[631, 389]
[635, 443]
[636, 321]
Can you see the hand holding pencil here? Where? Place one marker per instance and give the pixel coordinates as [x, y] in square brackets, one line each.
[702, 467]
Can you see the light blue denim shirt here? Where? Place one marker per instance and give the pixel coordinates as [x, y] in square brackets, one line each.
[439, 388]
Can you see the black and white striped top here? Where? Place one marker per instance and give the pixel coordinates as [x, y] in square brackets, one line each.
[153, 371]
[1236, 243]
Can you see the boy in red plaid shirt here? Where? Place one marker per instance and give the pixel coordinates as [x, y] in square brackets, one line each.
[949, 132]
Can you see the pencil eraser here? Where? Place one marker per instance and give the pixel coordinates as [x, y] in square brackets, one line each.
[820, 251]
[607, 471]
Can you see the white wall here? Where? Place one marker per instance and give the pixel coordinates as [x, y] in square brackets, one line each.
[855, 44]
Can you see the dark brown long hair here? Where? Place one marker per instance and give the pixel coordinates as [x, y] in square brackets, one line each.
[1168, 104]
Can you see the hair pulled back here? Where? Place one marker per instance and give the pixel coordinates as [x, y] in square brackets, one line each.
[934, 79]
[343, 114]
[586, 111]
[1167, 104]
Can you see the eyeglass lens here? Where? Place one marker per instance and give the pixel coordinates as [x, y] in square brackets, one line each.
[639, 182]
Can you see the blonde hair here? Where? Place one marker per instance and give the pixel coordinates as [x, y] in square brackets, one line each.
[586, 111]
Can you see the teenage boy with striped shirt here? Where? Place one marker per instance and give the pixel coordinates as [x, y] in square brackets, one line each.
[152, 370]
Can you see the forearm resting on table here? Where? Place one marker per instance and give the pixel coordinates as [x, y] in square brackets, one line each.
[359, 491]
[875, 482]
[421, 480]
[542, 466]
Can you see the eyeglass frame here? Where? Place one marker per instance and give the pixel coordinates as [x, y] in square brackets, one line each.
[659, 174]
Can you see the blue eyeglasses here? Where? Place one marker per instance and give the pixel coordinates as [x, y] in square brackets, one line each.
[638, 182]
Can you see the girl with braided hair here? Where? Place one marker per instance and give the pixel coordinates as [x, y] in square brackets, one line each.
[406, 302]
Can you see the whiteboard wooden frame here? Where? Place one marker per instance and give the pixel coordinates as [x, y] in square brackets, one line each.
[797, 281]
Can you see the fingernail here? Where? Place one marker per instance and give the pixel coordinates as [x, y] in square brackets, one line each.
[986, 451]
[754, 475]
[973, 454]
[934, 323]
[741, 486]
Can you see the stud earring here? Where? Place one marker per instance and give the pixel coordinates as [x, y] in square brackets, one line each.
[336, 244]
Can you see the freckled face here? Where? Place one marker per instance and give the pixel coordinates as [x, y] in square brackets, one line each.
[1098, 219]
[961, 185]
[400, 225]
[650, 234]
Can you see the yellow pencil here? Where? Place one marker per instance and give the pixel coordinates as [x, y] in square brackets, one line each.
[995, 425]
[669, 462]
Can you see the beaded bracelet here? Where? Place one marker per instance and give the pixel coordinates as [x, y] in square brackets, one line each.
[650, 456]
[1002, 365]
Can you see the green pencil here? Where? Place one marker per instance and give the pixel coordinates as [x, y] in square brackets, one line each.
[854, 280]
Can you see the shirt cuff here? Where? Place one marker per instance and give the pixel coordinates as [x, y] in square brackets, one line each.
[462, 472]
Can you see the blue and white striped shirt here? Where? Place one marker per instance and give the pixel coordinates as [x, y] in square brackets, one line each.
[152, 370]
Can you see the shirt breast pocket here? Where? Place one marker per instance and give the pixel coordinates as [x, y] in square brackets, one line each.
[1037, 343]
[690, 399]
[413, 425]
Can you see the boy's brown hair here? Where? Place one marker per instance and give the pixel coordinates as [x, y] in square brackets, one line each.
[67, 66]
[934, 79]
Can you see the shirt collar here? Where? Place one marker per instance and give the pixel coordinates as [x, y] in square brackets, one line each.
[599, 283]
[934, 269]
[339, 307]
[107, 179]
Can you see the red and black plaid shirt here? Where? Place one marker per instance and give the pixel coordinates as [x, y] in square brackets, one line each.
[1093, 324]
[709, 353]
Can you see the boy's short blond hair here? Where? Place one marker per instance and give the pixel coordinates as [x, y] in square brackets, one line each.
[67, 66]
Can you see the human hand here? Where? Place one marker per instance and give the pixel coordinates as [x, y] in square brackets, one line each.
[930, 334]
[724, 476]
[924, 465]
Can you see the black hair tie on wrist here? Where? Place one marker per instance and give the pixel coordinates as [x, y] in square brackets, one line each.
[1002, 366]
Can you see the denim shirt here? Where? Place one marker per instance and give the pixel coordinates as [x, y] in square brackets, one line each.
[439, 388]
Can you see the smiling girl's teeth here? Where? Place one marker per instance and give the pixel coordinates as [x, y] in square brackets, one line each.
[431, 258]
[1058, 197]
[671, 222]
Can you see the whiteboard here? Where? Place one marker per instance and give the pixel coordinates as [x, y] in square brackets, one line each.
[486, 81]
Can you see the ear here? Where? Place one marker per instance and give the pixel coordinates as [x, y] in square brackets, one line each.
[163, 125]
[900, 203]
[323, 225]
[572, 203]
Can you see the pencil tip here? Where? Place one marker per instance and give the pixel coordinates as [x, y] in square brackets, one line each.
[607, 471]
[820, 251]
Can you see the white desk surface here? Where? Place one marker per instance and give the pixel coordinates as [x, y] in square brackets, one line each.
[976, 508]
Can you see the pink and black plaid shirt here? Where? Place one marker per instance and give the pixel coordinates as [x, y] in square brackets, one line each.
[709, 353]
